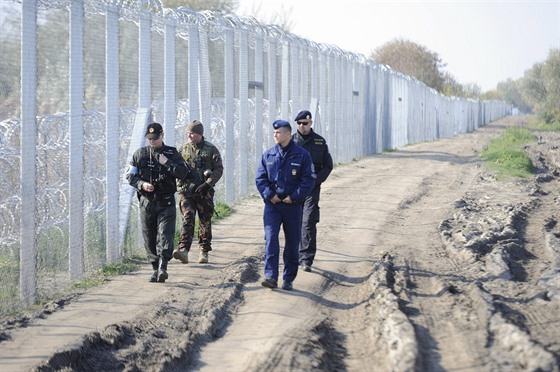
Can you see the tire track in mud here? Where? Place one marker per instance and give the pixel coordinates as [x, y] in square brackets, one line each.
[506, 239]
[330, 320]
[390, 344]
[432, 279]
[383, 340]
[458, 321]
[140, 344]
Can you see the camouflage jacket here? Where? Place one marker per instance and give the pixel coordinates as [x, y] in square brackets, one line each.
[202, 158]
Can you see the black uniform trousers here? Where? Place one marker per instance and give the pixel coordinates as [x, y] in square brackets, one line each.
[310, 218]
[158, 216]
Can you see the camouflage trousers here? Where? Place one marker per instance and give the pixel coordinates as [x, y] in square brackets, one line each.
[190, 207]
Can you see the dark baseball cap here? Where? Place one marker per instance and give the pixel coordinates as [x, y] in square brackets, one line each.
[153, 131]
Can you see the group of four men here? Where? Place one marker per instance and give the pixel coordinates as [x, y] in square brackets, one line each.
[288, 178]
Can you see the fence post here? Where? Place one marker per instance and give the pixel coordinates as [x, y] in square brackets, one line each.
[305, 100]
[137, 139]
[272, 96]
[205, 79]
[169, 109]
[27, 272]
[76, 156]
[112, 247]
[285, 100]
[145, 60]
[322, 117]
[229, 117]
[243, 110]
[295, 70]
[194, 77]
[259, 96]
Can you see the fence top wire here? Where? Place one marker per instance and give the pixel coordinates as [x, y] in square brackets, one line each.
[183, 18]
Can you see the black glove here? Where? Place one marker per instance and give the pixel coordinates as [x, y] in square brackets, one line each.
[203, 189]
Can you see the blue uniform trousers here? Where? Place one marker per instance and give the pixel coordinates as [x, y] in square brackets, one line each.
[289, 217]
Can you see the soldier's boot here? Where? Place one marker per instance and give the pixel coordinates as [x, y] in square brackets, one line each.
[203, 257]
[182, 255]
[154, 277]
[162, 271]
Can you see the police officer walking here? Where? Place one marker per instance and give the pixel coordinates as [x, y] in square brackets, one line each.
[323, 163]
[153, 172]
[197, 192]
[284, 178]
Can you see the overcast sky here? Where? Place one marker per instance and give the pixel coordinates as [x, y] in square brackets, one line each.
[481, 41]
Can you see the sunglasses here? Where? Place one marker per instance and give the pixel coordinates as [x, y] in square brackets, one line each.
[303, 122]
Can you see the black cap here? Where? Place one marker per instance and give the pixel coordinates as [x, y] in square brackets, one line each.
[281, 124]
[303, 116]
[153, 131]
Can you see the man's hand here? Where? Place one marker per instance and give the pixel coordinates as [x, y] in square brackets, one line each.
[275, 199]
[148, 187]
[203, 189]
[287, 200]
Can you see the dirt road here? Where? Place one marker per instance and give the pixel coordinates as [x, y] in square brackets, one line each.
[425, 263]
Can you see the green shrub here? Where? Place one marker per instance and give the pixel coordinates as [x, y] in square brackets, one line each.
[505, 154]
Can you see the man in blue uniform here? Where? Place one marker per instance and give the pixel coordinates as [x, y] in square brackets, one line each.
[323, 164]
[153, 172]
[284, 178]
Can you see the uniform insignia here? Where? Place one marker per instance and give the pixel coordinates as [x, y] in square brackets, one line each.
[151, 130]
[294, 171]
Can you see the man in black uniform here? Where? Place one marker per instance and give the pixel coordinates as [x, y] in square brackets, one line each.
[153, 172]
[323, 163]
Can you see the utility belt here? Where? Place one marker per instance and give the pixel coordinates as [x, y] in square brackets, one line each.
[163, 198]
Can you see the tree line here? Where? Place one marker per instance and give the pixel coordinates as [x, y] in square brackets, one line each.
[538, 91]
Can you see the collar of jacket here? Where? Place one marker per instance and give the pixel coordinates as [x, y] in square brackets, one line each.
[200, 144]
[284, 150]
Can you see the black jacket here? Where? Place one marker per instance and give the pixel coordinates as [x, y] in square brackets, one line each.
[145, 167]
[320, 155]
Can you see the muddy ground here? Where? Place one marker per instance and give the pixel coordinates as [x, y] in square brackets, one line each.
[425, 263]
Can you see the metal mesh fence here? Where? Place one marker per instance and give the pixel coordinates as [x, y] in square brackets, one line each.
[79, 80]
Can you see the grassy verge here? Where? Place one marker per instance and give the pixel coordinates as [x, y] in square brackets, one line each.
[127, 265]
[505, 155]
[539, 125]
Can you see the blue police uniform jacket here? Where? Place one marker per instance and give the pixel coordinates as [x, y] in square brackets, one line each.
[286, 172]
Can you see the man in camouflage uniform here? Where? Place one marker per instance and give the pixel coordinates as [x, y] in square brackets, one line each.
[153, 172]
[197, 192]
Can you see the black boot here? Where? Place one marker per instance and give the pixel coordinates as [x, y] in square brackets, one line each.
[154, 276]
[162, 270]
